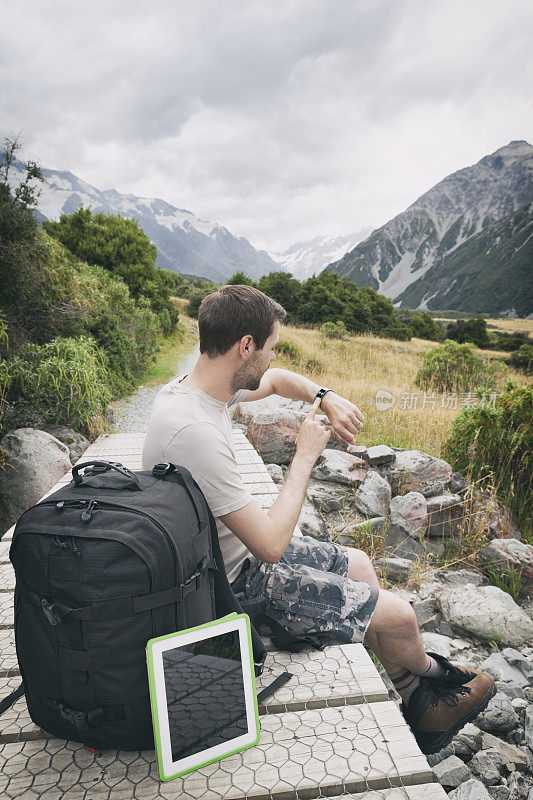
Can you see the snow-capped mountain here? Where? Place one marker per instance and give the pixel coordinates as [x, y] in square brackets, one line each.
[185, 243]
[307, 258]
[431, 255]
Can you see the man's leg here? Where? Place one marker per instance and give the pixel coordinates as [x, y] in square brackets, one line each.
[404, 649]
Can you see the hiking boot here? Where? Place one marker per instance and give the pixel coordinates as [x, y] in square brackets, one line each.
[439, 707]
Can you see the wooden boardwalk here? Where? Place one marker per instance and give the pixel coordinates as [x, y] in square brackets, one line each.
[331, 731]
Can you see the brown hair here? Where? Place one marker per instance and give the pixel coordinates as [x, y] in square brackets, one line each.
[227, 315]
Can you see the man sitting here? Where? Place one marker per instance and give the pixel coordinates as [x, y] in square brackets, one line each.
[310, 586]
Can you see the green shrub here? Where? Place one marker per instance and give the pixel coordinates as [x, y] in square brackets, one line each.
[290, 350]
[195, 300]
[523, 358]
[334, 330]
[423, 326]
[396, 330]
[453, 367]
[473, 330]
[64, 381]
[496, 443]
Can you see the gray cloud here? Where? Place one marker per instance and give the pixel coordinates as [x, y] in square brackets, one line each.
[280, 120]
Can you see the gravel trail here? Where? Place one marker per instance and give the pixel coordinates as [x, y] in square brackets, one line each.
[133, 415]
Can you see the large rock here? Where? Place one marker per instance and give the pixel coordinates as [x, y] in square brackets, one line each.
[36, 461]
[409, 511]
[338, 467]
[273, 425]
[518, 660]
[328, 497]
[311, 523]
[499, 716]
[379, 454]
[489, 765]
[351, 532]
[528, 723]
[276, 473]
[399, 543]
[445, 515]
[414, 471]
[76, 442]
[395, 569]
[497, 666]
[435, 643]
[487, 612]
[512, 754]
[470, 790]
[451, 772]
[508, 558]
[373, 495]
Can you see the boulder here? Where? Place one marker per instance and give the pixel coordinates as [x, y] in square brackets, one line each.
[528, 724]
[276, 473]
[459, 577]
[311, 523]
[518, 660]
[414, 471]
[350, 532]
[379, 454]
[395, 569]
[273, 425]
[436, 643]
[519, 787]
[486, 612]
[511, 754]
[445, 515]
[425, 613]
[497, 666]
[498, 716]
[399, 543]
[470, 790]
[467, 741]
[508, 558]
[76, 442]
[457, 483]
[489, 765]
[373, 495]
[409, 511]
[35, 462]
[328, 497]
[338, 467]
[451, 772]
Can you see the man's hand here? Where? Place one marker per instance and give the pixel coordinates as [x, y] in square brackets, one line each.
[345, 418]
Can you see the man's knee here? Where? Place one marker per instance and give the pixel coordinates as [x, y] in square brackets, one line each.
[360, 567]
[393, 613]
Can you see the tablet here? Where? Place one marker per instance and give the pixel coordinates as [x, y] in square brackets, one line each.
[203, 694]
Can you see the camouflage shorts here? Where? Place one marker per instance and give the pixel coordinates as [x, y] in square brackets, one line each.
[308, 590]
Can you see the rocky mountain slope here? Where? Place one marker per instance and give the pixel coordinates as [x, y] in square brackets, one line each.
[465, 244]
[185, 243]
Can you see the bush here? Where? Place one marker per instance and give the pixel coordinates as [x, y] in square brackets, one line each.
[64, 381]
[290, 350]
[473, 330]
[497, 444]
[453, 367]
[523, 358]
[195, 301]
[334, 330]
[423, 326]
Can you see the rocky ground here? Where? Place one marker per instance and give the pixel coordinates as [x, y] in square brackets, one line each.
[415, 515]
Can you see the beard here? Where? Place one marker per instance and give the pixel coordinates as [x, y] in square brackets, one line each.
[247, 377]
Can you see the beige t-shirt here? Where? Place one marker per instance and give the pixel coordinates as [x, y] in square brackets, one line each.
[188, 427]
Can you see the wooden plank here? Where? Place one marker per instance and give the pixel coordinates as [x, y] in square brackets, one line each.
[299, 754]
[8, 656]
[424, 791]
[339, 675]
[4, 551]
[7, 577]
[6, 611]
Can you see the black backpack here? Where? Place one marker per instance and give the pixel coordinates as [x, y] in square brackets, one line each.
[107, 562]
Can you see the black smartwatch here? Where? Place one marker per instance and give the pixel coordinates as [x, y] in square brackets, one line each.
[321, 393]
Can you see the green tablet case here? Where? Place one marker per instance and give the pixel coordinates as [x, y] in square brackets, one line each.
[153, 700]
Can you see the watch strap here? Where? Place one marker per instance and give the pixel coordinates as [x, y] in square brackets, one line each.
[321, 393]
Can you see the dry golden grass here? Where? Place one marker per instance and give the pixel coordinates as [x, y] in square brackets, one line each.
[359, 366]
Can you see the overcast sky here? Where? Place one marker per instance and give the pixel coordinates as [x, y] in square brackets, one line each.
[281, 119]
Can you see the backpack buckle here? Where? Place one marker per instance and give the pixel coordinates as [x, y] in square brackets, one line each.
[76, 718]
[190, 585]
[162, 469]
[50, 612]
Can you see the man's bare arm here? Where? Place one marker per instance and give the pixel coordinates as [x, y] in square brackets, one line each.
[267, 535]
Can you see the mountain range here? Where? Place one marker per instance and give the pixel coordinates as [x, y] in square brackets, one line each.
[464, 245]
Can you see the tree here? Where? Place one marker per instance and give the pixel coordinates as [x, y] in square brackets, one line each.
[473, 330]
[121, 246]
[240, 279]
[282, 288]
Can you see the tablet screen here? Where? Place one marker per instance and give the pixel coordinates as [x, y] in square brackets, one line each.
[205, 694]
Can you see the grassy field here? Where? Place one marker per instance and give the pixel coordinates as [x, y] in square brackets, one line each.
[503, 325]
[358, 367]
